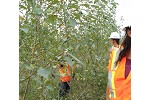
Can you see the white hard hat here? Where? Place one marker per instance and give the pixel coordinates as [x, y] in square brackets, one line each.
[114, 35]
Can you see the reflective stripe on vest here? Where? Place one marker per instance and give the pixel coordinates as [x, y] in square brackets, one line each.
[112, 94]
[111, 71]
[111, 84]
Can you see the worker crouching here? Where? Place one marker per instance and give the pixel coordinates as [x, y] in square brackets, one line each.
[66, 75]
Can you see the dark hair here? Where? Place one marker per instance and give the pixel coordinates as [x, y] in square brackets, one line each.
[127, 28]
[117, 41]
[61, 65]
[126, 46]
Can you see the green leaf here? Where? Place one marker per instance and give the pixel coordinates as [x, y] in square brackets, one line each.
[25, 30]
[39, 88]
[91, 16]
[32, 66]
[77, 46]
[28, 67]
[59, 57]
[86, 5]
[95, 1]
[55, 1]
[50, 88]
[65, 39]
[69, 61]
[43, 72]
[75, 58]
[77, 15]
[37, 11]
[31, 2]
[105, 1]
[93, 45]
[72, 22]
[21, 6]
[21, 18]
[54, 66]
[37, 79]
[51, 19]
[70, 48]
[73, 6]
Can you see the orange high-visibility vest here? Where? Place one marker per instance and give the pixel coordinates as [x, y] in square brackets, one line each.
[114, 54]
[65, 73]
[120, 88]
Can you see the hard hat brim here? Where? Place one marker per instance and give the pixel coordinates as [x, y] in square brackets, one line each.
[113, 38]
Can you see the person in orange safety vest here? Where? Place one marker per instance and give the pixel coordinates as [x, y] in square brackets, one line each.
[119, 79]
[66, 75]
[114, 52]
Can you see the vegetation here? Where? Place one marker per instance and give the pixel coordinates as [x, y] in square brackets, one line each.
[50, 27]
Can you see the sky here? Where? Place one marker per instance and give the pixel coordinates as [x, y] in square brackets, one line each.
[123, 9]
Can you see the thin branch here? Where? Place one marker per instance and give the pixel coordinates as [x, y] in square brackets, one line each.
[27, 86]
[28, 77]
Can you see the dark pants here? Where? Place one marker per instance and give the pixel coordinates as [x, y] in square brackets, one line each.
[64, 89]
